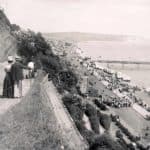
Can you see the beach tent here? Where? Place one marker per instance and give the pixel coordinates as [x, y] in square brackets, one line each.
[82, 56]
[79, 51]
[121, 95]
[110, 71]
[126, 78]
[98, 66]
[131, 84]
[147, 89]
[119, 75]
[96, 73]
[105, 83]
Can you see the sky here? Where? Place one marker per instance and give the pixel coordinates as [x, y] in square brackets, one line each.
[130, 17]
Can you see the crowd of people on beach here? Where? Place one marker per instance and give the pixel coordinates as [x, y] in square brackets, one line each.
[12, 84]
[122, 88]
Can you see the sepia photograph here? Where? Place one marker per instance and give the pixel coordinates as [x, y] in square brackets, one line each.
[74, 75]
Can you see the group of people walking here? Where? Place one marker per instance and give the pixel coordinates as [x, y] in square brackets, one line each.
[13, 78]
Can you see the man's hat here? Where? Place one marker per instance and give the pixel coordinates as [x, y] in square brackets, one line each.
[17, 57]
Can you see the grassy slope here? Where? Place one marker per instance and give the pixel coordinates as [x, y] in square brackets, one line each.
[29, 125]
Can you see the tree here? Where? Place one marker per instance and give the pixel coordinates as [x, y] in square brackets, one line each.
[30, 44]
[119, 134]
[105, 120]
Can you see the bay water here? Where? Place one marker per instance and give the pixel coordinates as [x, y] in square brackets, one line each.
[128, 50]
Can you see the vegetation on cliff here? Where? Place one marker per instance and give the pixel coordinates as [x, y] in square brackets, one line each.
[33, 45]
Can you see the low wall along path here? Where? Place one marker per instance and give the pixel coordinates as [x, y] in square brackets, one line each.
[68, 132]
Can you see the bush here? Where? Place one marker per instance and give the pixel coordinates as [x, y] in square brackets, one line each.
[105, 120]
[50, 64]
[93, 117]
[100, 105]
[74, 106]
[148, 109]
[113, 117]
[141, 147]
[67, 80]
[123, 143]
[131, 147]
[92, 92]
[15, 27]
[30, 44]
[126, 131]
[119, 134]
[105, 141]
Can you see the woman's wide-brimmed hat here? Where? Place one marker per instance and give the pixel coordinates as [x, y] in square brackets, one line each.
[10, 58]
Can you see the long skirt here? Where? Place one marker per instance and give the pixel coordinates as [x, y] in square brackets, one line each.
[8, 86]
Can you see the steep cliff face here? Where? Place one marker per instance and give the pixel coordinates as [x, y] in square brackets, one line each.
[8, 44]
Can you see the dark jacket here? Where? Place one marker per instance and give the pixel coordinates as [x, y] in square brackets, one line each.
[17, 71]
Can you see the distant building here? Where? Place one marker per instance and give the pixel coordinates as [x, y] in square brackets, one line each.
[84, 85]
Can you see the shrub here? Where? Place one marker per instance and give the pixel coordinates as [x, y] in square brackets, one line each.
[93, 117]
[123, 143]
[30, 44]
[148, 109]
[15, 27]
[113, 117]
[92, 92]
[131, 147]
[105, 120]
[67, 80]
[119, 134]
[126, 131]
[100, 105]
[74, 106]
[105, 141]
[141, 147]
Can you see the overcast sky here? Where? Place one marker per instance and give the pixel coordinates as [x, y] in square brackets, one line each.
[98, 16]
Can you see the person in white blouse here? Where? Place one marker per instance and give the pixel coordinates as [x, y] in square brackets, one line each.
[31, 69]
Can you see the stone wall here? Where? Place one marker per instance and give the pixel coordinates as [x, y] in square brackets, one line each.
[65, 125]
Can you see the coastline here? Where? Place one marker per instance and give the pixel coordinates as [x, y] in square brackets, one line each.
[74, 57]
[122, 50]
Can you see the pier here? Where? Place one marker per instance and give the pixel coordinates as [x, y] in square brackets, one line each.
[124, 62]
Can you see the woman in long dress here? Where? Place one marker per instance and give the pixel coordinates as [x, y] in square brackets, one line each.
[8, 85]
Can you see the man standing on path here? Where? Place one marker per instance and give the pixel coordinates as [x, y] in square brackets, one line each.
[17, 74]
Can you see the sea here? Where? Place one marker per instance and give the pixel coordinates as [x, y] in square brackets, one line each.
[127, 50]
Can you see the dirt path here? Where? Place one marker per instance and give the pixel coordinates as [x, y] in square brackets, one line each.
[7, 103]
